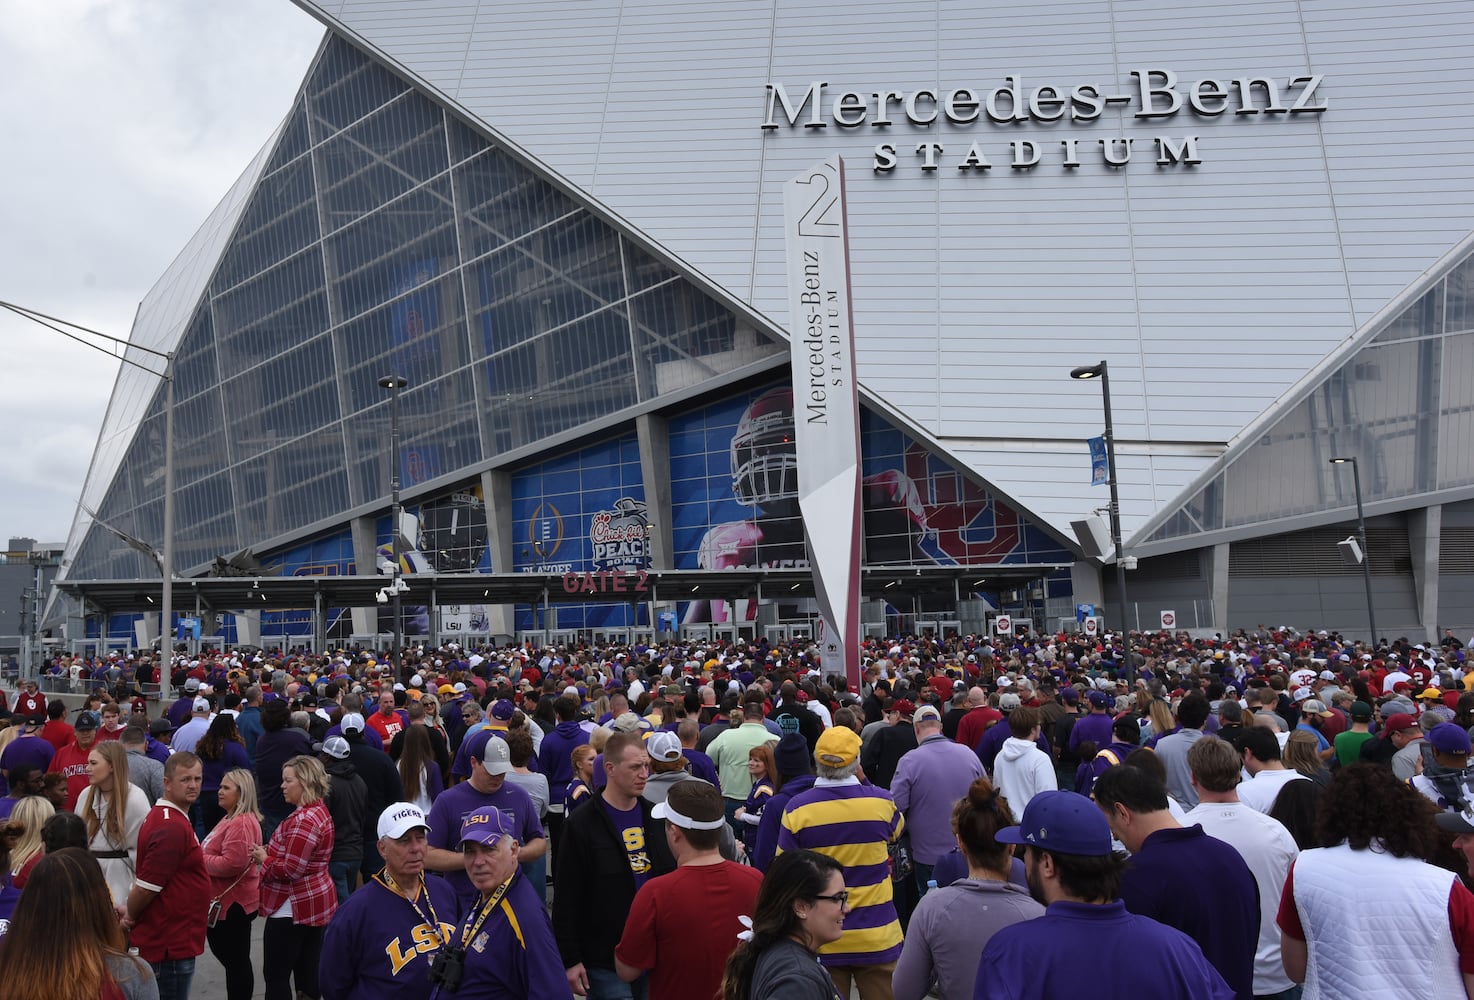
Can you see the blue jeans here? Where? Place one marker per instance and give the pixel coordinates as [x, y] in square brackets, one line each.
[537, 876]
[1293, 993]
[605, 984]
[174, 976]
[923, 876]
[342, 873]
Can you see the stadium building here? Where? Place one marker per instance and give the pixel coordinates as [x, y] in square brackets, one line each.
[561, 223]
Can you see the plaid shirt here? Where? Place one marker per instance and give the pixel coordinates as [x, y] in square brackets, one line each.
[296, 867]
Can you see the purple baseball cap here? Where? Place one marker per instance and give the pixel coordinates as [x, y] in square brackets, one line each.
[487, 825]
[1064, 822]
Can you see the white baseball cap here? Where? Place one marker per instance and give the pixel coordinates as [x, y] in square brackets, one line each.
[399, 819]
[664, 747]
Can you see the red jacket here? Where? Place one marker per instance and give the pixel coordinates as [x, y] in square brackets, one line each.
[71, 760]
[296, 867]
[976, 722]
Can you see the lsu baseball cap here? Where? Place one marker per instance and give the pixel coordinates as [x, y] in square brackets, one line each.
[497, 757]
[486, 826]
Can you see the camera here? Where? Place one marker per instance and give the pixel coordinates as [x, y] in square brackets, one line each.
[448, 967]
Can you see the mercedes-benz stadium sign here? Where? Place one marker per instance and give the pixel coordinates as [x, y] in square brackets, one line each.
[826, 404]
[1152, 95]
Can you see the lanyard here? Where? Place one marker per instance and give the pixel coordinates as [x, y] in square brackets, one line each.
[468, 932]
[433, 919]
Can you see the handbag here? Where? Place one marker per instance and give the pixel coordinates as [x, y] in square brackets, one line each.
[212, 915]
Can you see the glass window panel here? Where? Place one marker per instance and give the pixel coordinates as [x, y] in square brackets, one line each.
[559, 380]
[499, 201]
[293, 142]
[465, 142]
[419, 335]
[1456, 413]
[439, 433]
[380, 158]
[1421, 319]
[685, 338]
[345, 87]
[286, 397]
[271, 313]
[195, 369]
[1460, 295]
[393, 250]
[643, 270]
[199, 438]
[280, 220]
[290, 486]
[548, 279]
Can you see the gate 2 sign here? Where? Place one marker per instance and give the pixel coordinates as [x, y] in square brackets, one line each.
[606, 582]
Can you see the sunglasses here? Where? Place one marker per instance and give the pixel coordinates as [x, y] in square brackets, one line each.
[842, 898]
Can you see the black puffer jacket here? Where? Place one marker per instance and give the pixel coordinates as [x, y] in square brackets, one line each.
[595, 884]
[347, 804]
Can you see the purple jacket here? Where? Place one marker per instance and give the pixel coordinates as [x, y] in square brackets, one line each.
[555, 758]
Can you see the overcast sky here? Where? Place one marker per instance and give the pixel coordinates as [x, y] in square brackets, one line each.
[125, 122]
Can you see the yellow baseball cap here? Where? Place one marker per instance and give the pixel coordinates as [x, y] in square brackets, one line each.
[838, 747]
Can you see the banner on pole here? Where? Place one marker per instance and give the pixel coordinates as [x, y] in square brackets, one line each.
[826, 403]
[1099, 466]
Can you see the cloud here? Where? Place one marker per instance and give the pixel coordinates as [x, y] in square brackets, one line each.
[125, 123]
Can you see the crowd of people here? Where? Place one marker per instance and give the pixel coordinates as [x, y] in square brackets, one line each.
[1154, 815]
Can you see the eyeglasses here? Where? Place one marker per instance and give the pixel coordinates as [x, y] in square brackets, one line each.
[842, 898]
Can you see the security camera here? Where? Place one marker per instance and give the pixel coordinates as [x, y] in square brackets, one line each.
[1351, 554]
[381, 597]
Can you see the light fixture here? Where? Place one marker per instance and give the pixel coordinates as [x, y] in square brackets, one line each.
[890, 585]
[148, 598]
[1102, 372]
[1361, 530]
[795, 586]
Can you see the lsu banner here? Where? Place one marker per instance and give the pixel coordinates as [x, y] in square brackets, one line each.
[826, 403]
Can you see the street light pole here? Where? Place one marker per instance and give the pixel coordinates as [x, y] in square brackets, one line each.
[1361, 536]
[1102, 372]
[394, 383]
[166, 560]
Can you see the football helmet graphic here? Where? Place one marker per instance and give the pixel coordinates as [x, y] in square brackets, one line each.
[764, 453]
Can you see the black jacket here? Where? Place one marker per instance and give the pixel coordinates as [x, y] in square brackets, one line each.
[795, 718]
[381, 779]
[595, 884]
[347, 804]
[883, 754]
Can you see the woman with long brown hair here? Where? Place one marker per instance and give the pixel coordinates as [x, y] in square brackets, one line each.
[419, 771]
[65, 942]
[220, 750]
[114, 810]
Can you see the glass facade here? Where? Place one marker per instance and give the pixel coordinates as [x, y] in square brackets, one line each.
[1402, 405]
[384, 235]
